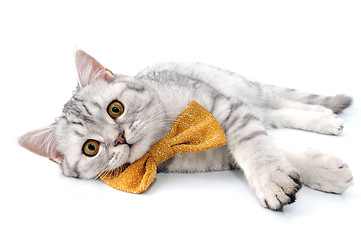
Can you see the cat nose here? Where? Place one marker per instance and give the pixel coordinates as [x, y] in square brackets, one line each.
[120, 140]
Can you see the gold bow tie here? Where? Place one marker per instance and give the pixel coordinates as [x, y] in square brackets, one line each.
[194, 130]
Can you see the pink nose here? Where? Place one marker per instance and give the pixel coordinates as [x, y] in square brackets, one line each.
[120, 140]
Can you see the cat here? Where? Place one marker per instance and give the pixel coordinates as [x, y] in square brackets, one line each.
[112, 120]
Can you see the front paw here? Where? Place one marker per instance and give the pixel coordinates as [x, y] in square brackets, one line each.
[277, 188]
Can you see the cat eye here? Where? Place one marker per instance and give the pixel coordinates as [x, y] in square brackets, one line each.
[115, 109]
[91, 147]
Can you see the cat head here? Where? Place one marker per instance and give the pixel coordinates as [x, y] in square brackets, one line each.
[110, 121]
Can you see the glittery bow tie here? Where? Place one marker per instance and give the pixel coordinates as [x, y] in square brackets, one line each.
[194, 130]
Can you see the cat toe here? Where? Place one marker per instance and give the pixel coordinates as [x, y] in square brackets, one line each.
[279, 190]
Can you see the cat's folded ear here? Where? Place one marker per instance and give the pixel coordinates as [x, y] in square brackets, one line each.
[90, 70]
[43, 143]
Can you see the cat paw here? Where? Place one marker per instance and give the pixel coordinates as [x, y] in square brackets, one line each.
[277, 189]
[330, 124]
[328, 173]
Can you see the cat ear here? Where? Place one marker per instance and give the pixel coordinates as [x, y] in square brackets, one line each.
[43, 143]
[90, 70]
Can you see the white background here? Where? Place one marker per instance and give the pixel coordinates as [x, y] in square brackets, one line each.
[310, 45]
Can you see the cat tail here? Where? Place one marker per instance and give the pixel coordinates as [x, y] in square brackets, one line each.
[336, 103]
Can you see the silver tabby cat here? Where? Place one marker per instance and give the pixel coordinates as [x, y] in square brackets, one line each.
[112, 120]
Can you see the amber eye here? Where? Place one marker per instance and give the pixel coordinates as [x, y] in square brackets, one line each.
[91, 147]
[115, 109]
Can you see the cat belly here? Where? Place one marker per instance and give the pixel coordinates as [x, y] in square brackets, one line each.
[210, 160]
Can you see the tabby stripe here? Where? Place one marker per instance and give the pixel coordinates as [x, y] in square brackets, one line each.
[78, 133]
[135, 88]
[259, 87]
[245, 121]
[256, 85]
[213, 106]
[236, 105]
[230, 125]
[313, 96]
[232, 108]
[76, 123]
[76, 99]
[252, 135]
[228, 116]
[97, 105]
[87, 110]
[310, 99]
[215, 99]
[248, 118]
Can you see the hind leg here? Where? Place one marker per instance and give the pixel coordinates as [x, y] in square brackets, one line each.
[320, 171]
[305, 106]
[324, 122]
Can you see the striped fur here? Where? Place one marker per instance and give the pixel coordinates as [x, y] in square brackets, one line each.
[157, 95]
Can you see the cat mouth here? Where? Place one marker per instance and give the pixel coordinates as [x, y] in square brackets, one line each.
[133, 150]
